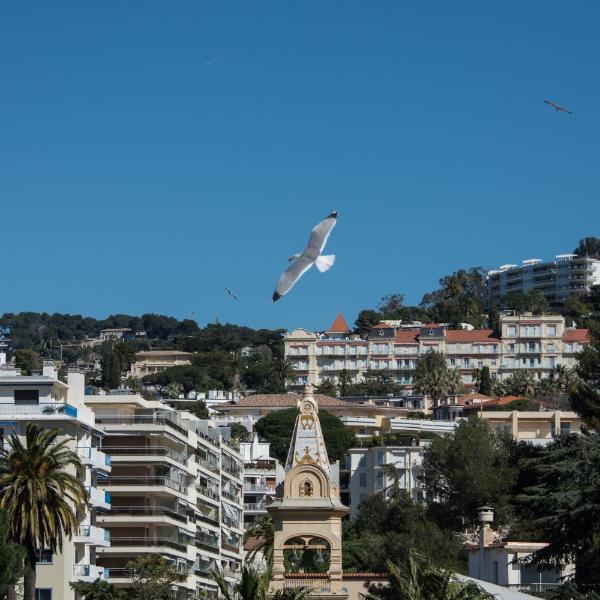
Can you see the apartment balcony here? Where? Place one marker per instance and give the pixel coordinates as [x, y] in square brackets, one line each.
[92, 536]
[136, 423]
[208, 493]
[89, 573]
[230, 548]
[41, 411]
[212, 467]
[94, 458]
[147, 514]
[144, 483]
[263, 488]
[98, 498]
[233, 497]
[207, 542]
[255, 508]
[148, 454]
[132, 546]
[260, 467]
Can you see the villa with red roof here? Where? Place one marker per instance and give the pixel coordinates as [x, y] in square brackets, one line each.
[536, 344]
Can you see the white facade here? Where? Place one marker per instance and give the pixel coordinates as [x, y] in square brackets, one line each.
[176, 490]
[50, 403]
[262, 474]
[565, 276]
[535, 344]
[363, 472]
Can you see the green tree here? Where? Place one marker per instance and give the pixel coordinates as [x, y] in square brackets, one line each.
[533, 301]
[377, 383]
[327, 387]
[432, 376]
[365, 321]
[485, 381]
[521, 383]
[39, 494]
[11, 558]
[153, 576]
[585, 397]
[199, 409]
[98, 590]
[564, 500]
[575, 309]
[27, 360]
[387, 526]
[465, 470]
[277, 428]
[114, 373]
[588, 246]
[344, 382]
[263, 531]
[419, 579]
[240, 433]
[459, 298]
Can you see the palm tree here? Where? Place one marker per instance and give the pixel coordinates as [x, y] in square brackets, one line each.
[421, 580]
[39, 495]
[254, 585]
[283, 370]
[455, 382]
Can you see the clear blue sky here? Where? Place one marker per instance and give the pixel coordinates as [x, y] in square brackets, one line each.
[152, 153]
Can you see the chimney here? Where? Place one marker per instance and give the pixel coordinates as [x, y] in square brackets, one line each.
[48, 369]
[76, 383]
[486, 518]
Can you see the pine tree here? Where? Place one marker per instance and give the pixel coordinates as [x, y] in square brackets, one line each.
[485, 381]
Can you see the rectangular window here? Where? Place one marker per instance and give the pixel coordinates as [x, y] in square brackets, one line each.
[380, 479]
[551, 348]
[362, 461]
[565, 428]
[44, 557]
[551, 330]
[512, 331]
[381, 457]
[452, 362]
[480, 363]
[466, 363]
[43, 593]
[27, 396]
[362, 480]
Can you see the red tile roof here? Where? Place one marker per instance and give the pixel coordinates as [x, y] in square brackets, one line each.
[477, 335]
[576, 335]
[382, 325]
[473, 398]
[339, 325]
[410, 336]
[284, 401]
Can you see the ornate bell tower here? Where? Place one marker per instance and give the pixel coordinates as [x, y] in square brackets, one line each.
[307, 513]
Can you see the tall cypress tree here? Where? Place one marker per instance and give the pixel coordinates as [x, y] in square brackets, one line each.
[114, 376]
[485, 381]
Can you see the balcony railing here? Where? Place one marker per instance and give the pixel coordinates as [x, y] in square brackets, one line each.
[208, 465]
[90, 531]
[43, 408]
[320, 585]
[144, 481]
[207, 542]
[169, 542]
[230, 496]
[255, 507]
[144, 511]
[140, 420]
[208, 493]
[259, 488]
[89, 570]
[147, 451]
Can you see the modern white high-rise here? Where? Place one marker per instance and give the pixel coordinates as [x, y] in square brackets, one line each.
[176, 490]
[50, 403]
[558, 279]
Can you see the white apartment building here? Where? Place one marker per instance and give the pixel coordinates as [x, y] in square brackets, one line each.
[565, 276]
[262, 474]
[50, 403]
[176, 490]
[363, 473]
[149, 362]
[533, 343]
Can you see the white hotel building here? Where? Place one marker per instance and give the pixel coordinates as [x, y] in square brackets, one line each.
[536, 344]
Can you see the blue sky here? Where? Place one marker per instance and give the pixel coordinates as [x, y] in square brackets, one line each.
[153, 153]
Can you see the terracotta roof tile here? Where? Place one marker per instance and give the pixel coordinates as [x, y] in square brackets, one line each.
[576, 335]
[476, 335]
[339, 325]
[407, 335]
[285, 401]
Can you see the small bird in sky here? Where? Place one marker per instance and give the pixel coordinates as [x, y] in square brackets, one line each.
[311, 255]
[231, 293]
[557, 107]
[212, 61]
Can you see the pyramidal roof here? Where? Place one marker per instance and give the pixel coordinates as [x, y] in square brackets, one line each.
[308, 445]
[339, 325]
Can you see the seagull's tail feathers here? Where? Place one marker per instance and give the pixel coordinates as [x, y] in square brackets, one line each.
[324, 263]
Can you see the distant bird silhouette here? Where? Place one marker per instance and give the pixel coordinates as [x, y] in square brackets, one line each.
[231, 293]
[312, 255]
[557, 107]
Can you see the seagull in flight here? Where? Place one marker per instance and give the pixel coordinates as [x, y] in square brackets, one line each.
[309, 257]
[231, 293]
[557, 107]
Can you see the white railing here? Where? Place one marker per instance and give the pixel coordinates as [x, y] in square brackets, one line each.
[320, 585]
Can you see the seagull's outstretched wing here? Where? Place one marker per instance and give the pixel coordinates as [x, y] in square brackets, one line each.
[291, 275]
[319, 235]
